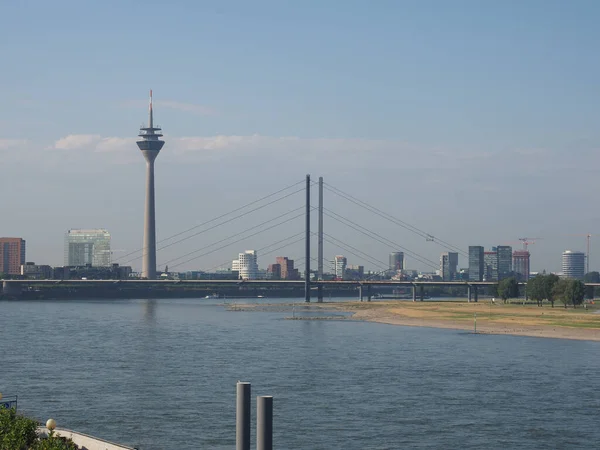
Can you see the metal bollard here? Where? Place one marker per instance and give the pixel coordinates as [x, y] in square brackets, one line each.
[242, 423]
[264, 422]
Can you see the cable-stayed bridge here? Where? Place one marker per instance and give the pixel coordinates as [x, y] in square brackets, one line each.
[297, 216]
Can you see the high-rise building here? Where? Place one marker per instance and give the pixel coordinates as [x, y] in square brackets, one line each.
[504, 261]
[84, 247]
[339, 266]
[521, 264]
[150, 145]
[396, 261]
[476, 266]
[274, 272]
[448, 266]
[287, 268]
[12, 255]
[246, 265]
[573, 264]
[490, 264]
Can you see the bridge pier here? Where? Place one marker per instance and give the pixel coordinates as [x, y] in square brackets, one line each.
[320, 293]
[368, 292]
[469, 293]
[414, 293]
[360, 292]
[10, 289]
[422, 292]
[476, 294]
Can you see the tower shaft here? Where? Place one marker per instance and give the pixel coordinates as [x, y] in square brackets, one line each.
[150, 145]
[149, 252]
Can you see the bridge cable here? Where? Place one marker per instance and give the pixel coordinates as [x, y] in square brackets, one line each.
[239, 233]
[231, 243]
[393, 219]
[380, 238]
[222, 216]
[267, 246]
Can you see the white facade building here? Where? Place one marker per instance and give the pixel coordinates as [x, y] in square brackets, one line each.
[84, 247]
[246, 265]
[339, 266]
[573, 264]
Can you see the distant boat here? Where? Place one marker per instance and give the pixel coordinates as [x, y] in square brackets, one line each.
[212, 296]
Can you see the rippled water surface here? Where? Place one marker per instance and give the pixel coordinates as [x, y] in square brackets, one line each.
[161, 374]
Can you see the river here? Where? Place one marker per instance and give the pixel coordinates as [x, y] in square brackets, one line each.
[161, 374]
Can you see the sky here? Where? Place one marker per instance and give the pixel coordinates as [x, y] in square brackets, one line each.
[475, 121]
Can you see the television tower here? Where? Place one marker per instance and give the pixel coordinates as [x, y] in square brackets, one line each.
[150, 145]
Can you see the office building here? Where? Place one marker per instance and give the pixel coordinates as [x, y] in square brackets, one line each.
[476, 265]
[12, 255]
[504, 261]
[274, 272]
[246, 265]
[448, 266]
[573, 264]
[288, 272]
[355, 272]
[87, 247]
[521, 264]
[490, 264]
[339, 266]
[396, 261]
[150, 145]
[33, 271]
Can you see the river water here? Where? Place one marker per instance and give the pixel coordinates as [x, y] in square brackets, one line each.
[161, 374]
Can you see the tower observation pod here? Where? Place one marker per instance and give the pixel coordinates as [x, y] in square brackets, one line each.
[150, 145]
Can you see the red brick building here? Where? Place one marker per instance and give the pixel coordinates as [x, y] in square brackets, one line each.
[12, 255]
[287, 268]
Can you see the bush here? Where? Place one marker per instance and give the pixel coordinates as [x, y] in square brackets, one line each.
[19, 433]
[16, 432]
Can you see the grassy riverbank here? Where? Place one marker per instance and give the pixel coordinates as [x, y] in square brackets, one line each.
[492, 318]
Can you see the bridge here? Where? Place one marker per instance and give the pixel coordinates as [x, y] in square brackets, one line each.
[366, 288]
[301, 214]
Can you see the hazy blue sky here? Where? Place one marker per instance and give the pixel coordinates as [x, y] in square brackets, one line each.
[474, 120]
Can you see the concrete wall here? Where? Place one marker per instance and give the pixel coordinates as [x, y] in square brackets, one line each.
[84, 441]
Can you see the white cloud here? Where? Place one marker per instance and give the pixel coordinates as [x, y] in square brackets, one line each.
[115, 144]
[77, 141]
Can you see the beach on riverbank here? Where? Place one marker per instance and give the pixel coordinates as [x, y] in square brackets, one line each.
[490, 317]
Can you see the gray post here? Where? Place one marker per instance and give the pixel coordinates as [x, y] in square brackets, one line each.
[360, 292]
[264, 422]
[469, 292]
[476, 292]
[422, 292]
[414, 289]
[320, 242]
[368, 292]
[242, 435]
[307, 244]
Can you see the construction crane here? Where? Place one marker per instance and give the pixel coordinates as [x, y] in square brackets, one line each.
[527, 241]
[588, 238]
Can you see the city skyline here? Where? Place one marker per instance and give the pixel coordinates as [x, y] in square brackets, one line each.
[380, 102]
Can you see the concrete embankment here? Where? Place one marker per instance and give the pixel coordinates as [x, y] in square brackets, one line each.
[83, 440]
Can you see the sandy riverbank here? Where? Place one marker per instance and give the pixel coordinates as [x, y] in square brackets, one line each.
[512, 319]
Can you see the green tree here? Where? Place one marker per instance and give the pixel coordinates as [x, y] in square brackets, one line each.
[576, 292]
[534, 289]
[508, 288]
[592, 277]
[547, 285]
[16, 432]
[559, 291]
